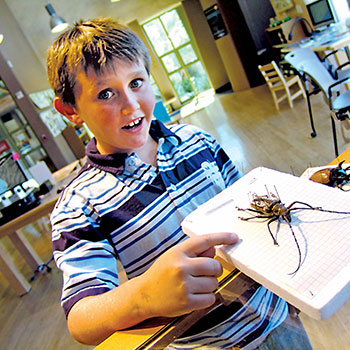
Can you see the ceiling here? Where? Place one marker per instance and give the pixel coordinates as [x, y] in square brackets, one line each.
[33, 18]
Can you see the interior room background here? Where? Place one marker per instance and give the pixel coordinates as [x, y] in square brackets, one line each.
[230, 60]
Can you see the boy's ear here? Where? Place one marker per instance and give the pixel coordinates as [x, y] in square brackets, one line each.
[67, 110]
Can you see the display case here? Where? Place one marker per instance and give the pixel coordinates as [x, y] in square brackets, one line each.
[22, 126]
[16, 131]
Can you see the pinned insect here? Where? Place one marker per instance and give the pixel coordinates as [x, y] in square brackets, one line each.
[334, 177]
[271, 208]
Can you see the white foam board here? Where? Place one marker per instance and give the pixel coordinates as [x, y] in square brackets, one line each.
[322, 283]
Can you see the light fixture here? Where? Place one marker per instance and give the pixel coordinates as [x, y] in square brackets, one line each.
[1, 38]
[57, 24]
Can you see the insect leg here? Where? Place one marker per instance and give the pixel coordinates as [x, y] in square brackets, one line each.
[250, 211]
[254, 217]
[275, 218]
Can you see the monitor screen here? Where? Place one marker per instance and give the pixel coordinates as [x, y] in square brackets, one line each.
[11, 173]
[320, 13]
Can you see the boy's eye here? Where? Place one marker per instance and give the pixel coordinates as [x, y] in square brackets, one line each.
[136, 83]
[105, 94]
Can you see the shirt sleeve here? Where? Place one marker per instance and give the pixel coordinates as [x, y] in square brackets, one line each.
[86, 258]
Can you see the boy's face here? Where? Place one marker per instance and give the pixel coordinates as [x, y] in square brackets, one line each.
[116, 105]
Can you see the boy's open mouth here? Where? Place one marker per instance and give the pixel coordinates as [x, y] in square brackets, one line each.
[134, 124]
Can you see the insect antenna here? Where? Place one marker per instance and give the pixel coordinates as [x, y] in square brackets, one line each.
[297, 244]
[331, 211]
[309, 207]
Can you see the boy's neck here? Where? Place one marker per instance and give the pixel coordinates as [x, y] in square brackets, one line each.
[148, 153]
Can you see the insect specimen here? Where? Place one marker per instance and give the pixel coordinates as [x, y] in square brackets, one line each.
[271, 208]
[334, 177]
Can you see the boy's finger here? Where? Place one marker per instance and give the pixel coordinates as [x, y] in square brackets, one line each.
[210, 253]
[205, 267]
[195, 246]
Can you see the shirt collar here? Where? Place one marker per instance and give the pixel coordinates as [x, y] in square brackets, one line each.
[115, 162]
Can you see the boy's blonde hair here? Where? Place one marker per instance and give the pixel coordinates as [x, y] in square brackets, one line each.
[93, 44]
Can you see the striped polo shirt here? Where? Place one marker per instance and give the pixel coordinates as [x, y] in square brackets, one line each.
[118, 206]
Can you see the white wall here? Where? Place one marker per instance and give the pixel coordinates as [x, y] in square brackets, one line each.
[341, 9]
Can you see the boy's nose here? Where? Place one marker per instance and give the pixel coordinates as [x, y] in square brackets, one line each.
[130, 104]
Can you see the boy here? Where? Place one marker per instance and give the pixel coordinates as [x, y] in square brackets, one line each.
[139, 182]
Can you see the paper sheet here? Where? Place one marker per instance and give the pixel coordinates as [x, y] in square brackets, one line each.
[321, 285]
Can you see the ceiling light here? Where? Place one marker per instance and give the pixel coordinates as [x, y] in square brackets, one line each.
[57, 24]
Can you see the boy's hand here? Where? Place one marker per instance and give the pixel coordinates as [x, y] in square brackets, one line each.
[183, 278]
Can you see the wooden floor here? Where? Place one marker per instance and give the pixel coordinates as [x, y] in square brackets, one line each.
[254, 134]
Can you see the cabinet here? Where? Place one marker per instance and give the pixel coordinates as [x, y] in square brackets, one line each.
[246, 22]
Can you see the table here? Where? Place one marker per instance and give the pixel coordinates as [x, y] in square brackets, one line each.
[160, 332]
[11, 229]
[333, 38]
[344, 156]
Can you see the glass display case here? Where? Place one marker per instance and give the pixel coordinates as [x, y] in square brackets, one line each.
[15, 129]
[23, 127]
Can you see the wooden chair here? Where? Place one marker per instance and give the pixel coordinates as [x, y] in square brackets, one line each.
[277, 82]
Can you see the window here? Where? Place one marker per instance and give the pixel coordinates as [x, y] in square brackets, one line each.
[177, 54]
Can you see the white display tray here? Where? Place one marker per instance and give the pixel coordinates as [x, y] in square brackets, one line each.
[321, 285]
